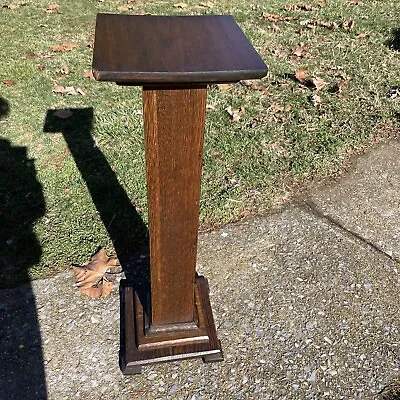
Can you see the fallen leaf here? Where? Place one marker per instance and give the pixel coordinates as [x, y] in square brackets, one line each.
[235, 114]
[254, 86]
[90, 43]
[325, 24]
[180, 5]
[107, 288]
[276, 18]
[348, 25]
[207, 5]
[90, 278]
[277, 108]
[123, 8]
[356, 2]
[64, 70]
[63, 113]
[63, 47]
[340, 86]
[88, 74]
[224, 86]
[52, 8]
[322, 3]
[41, 67]
[301, 6]
[315, 100]
[301, 74]
[318, 83]
[9, 82]
[361, 36]
[11, 6]
[67, 90]
[30, 55]
[299, 50]
[94, 292]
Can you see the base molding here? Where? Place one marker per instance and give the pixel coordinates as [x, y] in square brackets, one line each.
[142, 344]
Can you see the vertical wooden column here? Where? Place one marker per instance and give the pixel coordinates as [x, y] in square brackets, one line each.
[174, 130]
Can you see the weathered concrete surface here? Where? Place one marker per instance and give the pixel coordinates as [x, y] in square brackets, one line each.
[304, 308]
[366, 201]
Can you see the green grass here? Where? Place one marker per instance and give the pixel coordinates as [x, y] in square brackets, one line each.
[249, 166]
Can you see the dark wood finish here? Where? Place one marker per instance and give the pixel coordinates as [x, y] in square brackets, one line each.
[174, 129]
[145, 49]
[133, 357]
[173, 58]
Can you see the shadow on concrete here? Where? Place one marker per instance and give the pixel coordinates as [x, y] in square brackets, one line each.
[21, 204]
[394, 42]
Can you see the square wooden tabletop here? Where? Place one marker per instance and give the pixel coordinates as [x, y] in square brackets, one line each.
[146, 49]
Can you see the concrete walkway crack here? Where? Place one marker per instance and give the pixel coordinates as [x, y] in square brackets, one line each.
[310, 207]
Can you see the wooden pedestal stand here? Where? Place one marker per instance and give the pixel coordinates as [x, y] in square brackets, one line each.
[173, 58]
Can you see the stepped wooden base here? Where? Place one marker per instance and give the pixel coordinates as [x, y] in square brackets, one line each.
[143, 344]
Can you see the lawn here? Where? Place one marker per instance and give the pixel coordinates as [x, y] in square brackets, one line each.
[332, 90]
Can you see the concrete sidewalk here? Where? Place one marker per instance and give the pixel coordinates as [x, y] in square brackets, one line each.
[306, 302]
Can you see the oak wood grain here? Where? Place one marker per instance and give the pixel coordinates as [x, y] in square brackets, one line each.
[174, 129]
[145, 49]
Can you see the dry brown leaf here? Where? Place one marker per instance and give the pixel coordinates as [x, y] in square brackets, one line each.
[246, 83]
[64, 70]
[63, 47]
[322, 3]
[67, 90]
[361, 36]
[90, 43]
[235, 114]
[180, 5]
[301, 74]
[30, 55]
[254, 86]
[274, 27]
[94, 292]
[107, 288]
[276, 18]
[316, 100]
[224, 86]
[11, 6]
[88, 74]
[325, 24]
[41, 67]
[299, 50]
[90, 278]
[277, 108]
[52, 8]
[9, 82]
[318, 83]
[207, 5]
[301, 6]
[348, 25]
[63, 113]
[124, 8]
[340, 86]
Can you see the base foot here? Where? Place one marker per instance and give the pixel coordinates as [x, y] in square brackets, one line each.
[138, 350]
[213, 358]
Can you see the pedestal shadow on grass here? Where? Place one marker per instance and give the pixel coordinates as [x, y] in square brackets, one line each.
[21, 204]
[123, 223]
[394, 42]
